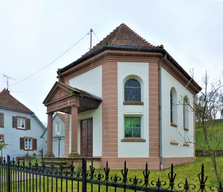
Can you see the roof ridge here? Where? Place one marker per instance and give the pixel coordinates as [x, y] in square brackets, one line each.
[4, 90]
[117, 34]
[142, 39]
[106, 37]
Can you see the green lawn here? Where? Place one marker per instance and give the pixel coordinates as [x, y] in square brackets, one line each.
[215, 138]
[189, 171]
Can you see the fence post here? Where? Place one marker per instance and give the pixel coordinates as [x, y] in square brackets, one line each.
[8, 180]
[84, 184]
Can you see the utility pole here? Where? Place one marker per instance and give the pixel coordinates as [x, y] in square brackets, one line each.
[7, 80]
[91, 39]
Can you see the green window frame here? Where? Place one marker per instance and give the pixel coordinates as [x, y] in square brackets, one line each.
[132, 127]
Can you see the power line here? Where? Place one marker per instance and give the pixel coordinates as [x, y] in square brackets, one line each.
[50, 62]
[95, 35]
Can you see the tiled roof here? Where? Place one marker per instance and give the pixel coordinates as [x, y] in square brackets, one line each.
[8, 101]
[62, 116]
[124, 36]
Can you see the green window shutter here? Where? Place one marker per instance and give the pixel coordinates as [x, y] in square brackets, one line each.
[14, 122]
[28, 124]
[22, 143]
[34, 144]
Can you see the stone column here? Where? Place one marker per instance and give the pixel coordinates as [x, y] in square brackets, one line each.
[74, 132]
[50, 136]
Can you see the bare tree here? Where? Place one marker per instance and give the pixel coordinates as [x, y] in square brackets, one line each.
[208, 106]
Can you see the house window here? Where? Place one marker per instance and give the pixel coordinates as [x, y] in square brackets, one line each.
[173, 107]
[1, 119]
[1, 138]
[57, 131]
[132, 90]
[133, 127]
[28, 144]
[21, 123]
[185, 112]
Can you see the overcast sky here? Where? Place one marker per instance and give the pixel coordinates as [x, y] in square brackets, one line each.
[35, 33]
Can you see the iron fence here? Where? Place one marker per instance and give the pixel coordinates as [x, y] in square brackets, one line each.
[24, 177]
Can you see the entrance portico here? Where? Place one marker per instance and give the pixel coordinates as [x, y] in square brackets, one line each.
[70, 100]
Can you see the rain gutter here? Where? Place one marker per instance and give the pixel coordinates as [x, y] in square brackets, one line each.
[160, 111]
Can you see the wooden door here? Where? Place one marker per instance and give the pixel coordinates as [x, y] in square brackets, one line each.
[87, 137]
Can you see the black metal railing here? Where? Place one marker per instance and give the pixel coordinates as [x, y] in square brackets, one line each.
[24, 177]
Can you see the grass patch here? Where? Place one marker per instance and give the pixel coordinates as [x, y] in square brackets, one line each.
[215, 135]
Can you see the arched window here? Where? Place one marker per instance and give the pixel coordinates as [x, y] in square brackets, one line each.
[132, 90]
[185, 112]
[173, 108]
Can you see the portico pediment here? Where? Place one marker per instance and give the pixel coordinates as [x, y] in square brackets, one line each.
[60, 97]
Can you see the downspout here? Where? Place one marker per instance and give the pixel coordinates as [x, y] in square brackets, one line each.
[160, 113]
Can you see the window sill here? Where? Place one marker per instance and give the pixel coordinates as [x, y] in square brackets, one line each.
[186, 129]
[173, 125]
[133, 140]
[174, 143]
[133, 103]
[186, 144]
[21, 128]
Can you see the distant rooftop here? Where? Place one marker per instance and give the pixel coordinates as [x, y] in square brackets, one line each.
[8, 101]
[62, 116]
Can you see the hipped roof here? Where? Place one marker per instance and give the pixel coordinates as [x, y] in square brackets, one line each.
[125, 39]
[124, 36]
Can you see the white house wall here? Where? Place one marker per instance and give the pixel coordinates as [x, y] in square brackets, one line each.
[58, 148]
[58, 136]
[170, 133]
[12, 135]
[91, 82]
[57, 120]
[140, 71]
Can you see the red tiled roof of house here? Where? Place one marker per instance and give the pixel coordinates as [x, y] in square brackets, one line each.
[124, 36]
[62, 116]
[8, 101]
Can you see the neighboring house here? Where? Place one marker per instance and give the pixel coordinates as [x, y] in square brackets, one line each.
[125, 100]
[20, 128]
[58, 134]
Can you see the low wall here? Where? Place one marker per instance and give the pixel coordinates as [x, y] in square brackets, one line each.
[205, 153]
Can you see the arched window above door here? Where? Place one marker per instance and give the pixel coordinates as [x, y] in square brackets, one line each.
[132, 90]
